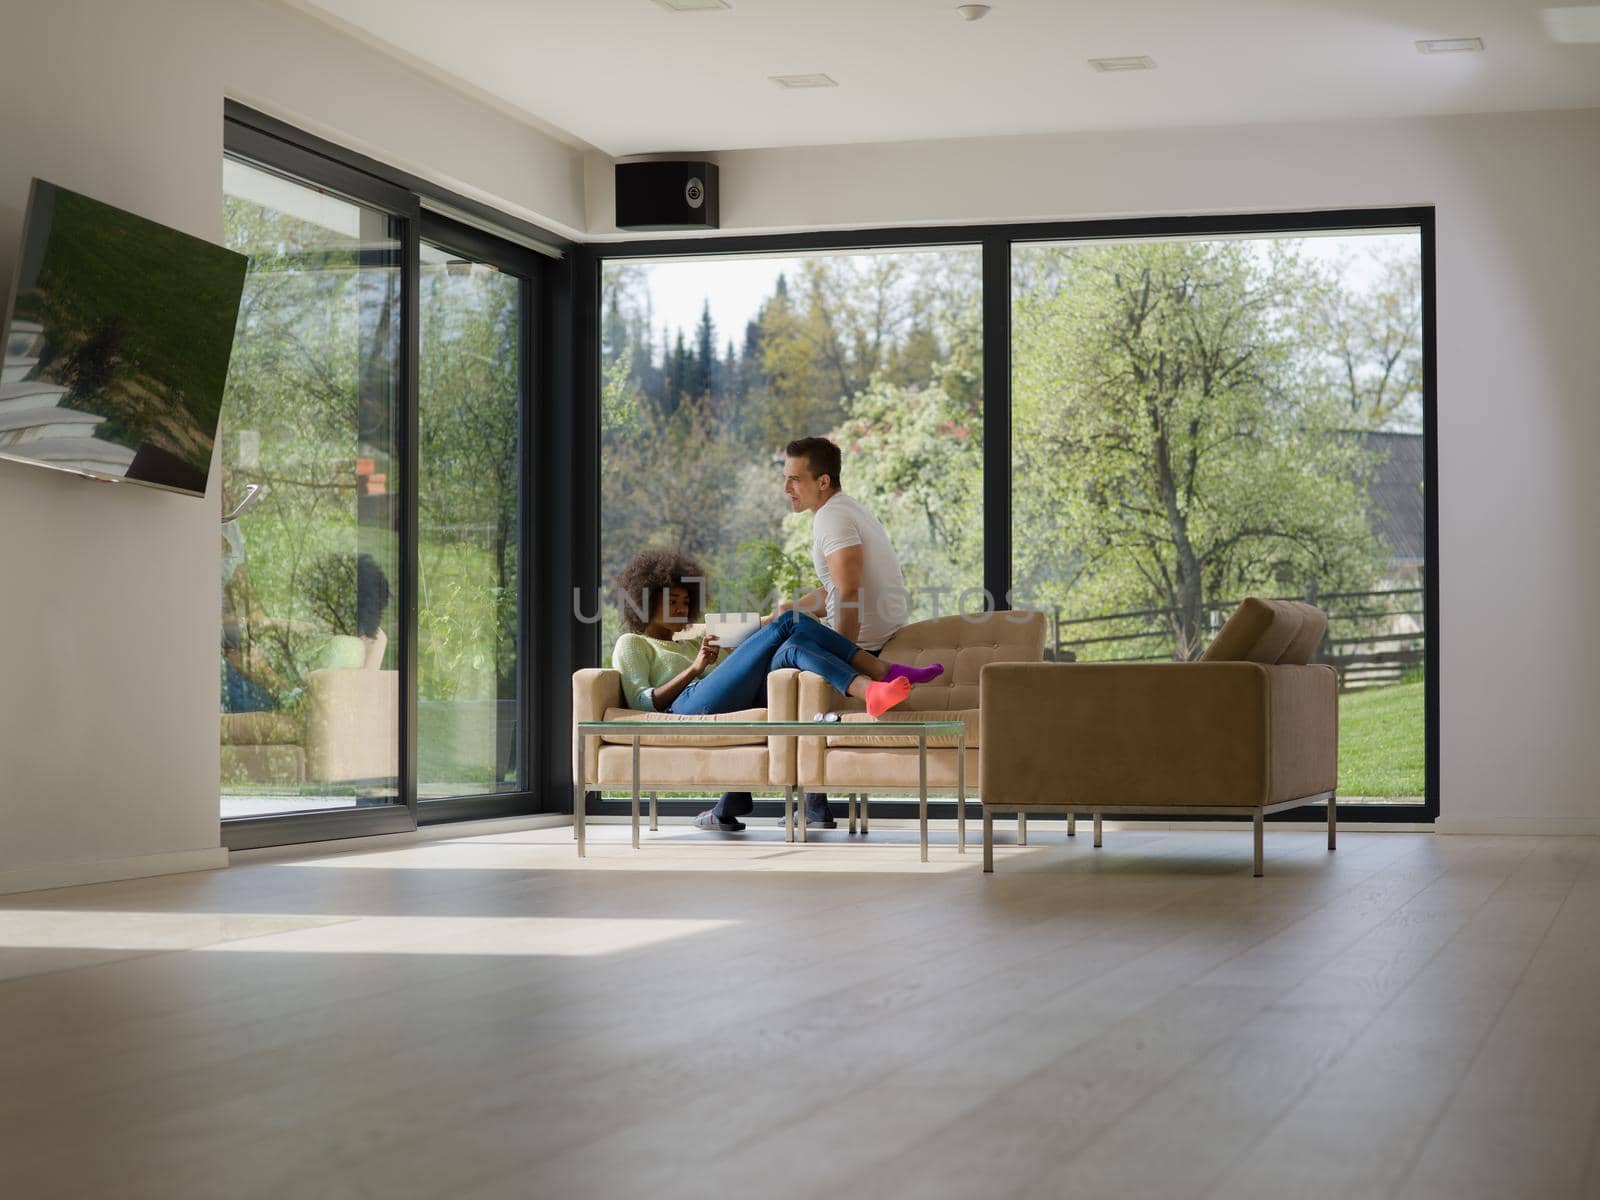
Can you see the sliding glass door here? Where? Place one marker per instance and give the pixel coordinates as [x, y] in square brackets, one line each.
[475, 314]
[376, 515]
[310, 687]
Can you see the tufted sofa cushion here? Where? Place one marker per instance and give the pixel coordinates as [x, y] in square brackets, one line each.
[965, 645]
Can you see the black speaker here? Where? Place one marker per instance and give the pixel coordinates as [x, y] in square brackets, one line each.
[667, 195]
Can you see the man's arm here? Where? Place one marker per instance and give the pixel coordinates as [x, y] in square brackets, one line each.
[845, 567]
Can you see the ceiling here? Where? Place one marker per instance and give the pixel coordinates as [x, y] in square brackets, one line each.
[628, 77]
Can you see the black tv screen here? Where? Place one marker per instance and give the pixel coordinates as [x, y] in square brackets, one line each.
[117, 344]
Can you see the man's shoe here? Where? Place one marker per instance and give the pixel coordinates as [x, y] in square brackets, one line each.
[710, 821]
[813, 821]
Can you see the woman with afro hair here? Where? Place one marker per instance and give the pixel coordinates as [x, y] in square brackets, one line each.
[660, 592]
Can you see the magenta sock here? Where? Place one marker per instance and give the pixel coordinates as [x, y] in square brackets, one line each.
[914, 674]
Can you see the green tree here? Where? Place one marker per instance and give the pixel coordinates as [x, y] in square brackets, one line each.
[1373, 341]
[1173, 448]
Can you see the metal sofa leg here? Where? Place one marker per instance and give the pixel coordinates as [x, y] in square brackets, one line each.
[1072, 824]
[865, 802]
[852, 812]
[1260, 834]
[1097, 831]
[988, 840]
[1022, 829]
[1333, 822]
[654, 813]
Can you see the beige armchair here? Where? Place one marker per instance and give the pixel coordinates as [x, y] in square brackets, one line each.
[692, 762]
[347, 731]
[861, 759]
[1248, 730]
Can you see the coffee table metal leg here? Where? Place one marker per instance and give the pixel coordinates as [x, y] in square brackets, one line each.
[922, 790]
[580, 801]
[961, 792]
[636, 791]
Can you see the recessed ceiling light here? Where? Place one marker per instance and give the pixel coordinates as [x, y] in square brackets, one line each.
[1573, 24]
[1450, 46]
[1137, 62]
[694, 5]
[800, 82]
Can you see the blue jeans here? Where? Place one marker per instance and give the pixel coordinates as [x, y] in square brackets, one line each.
[790, 639]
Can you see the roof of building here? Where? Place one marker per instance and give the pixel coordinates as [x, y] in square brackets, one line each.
[1396, 493]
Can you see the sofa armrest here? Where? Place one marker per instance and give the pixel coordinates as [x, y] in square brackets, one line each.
[594, 689]
[1304, 730]
[816, 695]
[783, 698]
[1099, 736]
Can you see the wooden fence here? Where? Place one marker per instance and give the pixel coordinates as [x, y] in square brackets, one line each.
[1373, 637]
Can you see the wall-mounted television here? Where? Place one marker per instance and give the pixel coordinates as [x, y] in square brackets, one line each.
[116, 344]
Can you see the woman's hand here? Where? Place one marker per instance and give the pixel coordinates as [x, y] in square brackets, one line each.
[709, 649]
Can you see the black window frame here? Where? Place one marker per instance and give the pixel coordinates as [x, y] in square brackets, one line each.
[997, 242]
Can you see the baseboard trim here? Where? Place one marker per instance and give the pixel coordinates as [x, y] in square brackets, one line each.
[60, 875]
[442, 832]
[1520, 826]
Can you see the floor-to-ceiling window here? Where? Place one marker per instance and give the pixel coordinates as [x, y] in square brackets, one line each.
[1179, 413]
[1199, 419]
[709, 367]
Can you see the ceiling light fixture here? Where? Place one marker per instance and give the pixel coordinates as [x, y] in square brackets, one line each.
[973, 12]
[804, 82]
[1136, 62]
[1450, 46]
[683, 6]
[1573, 25]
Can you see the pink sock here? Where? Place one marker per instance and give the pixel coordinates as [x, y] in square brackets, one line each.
[915, 674]
[884, 695]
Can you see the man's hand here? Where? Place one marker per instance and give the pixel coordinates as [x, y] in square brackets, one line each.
[814, 604]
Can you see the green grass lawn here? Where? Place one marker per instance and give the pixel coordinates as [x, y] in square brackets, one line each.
[1381, 746]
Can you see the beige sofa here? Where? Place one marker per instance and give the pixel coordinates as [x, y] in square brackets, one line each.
[862, 760]
[1250, 729]
[856, 760]
[689, 762]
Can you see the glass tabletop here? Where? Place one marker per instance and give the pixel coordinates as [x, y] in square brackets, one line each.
[702, 724]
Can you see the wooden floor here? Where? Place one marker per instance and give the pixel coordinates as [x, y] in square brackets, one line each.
[489, 1017]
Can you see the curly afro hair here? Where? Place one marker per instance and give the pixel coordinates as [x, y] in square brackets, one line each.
[649, 576]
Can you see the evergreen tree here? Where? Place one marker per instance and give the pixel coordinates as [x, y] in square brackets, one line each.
[703, 377]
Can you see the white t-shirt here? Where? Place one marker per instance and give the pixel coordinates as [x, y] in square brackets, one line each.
[885, 607]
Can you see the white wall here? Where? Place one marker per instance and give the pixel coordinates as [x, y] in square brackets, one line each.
[1518, 212]
[109, 594]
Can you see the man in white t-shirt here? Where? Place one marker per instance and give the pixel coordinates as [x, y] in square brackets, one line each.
[863, 594]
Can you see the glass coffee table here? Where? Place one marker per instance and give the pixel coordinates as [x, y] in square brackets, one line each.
[921, 731]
